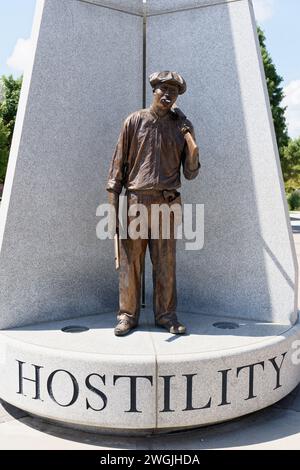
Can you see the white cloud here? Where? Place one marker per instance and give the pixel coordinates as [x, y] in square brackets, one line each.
[21, 55]
[263, 10]
[292, 101]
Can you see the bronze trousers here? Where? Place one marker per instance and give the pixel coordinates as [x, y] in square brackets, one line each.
[163, 257]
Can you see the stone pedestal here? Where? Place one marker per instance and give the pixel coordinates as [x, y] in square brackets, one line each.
[86, 76]
[150, 381]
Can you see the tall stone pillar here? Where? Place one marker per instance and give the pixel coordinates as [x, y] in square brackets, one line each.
[247, 266]
[85, 78]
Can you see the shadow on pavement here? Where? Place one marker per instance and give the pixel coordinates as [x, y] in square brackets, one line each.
[271, 424]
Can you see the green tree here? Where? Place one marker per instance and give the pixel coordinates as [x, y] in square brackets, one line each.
[9, 100]
[276, 95]
[4, 150]
[8, 107]
[294, 201]
[291, 165]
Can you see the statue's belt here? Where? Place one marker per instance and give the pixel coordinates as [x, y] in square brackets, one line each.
[168, 195]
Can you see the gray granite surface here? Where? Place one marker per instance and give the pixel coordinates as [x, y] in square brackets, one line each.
[247, 267]
[84, 82]
[84, 380]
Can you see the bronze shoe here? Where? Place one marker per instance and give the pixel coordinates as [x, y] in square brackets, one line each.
[123, 327]
[173, 326]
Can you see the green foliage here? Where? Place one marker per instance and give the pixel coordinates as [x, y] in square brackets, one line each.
[289, 150]
[4, 150]
[11, 89]
[9, 100]
[294, 200]
[276, 94]
[291, 165]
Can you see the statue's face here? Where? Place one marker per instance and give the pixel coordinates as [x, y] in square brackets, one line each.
[165, 95]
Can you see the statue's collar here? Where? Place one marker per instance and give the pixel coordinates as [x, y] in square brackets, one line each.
[156, 116]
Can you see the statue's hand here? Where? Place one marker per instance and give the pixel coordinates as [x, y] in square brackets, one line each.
[113, 199]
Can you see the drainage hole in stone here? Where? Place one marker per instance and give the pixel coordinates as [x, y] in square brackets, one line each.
[225, 325]
[74, 329]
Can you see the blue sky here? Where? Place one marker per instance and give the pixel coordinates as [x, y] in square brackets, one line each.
[278, 18]
[16, 17]
[283, 36]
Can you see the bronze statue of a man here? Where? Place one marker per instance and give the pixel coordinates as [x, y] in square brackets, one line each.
[147, 161]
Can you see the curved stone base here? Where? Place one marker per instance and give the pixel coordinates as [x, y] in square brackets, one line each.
[148, 381]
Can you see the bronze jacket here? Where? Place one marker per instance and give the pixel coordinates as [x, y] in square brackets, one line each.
[149, 153]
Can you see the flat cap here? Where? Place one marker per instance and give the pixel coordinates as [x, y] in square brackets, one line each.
[168, 77]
